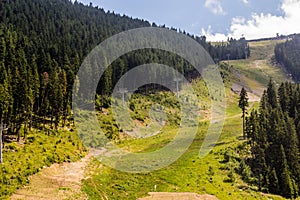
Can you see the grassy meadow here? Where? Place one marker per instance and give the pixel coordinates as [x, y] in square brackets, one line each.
[222, 172]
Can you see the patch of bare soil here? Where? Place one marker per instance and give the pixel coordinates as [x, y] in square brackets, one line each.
[178, 196]
[253, 94]
[57, 182]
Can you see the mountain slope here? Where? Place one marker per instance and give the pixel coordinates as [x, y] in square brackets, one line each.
[42, 45]
[210, 175]
[217, 173]
[254, 73]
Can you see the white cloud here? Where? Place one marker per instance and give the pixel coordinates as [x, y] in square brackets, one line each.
[214, 6]
[263, 25]
[245, 1]
[213, 37]
[238, 20]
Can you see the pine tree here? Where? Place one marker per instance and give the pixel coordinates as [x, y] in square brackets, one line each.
[283, 97]
[271, 94]
[5, 100]
[243, 104]
[292, 150]
[286, 185]
[273, 182]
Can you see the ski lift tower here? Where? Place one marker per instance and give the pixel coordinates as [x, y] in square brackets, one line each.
[228, 56]
[177, 80]
[123, 91]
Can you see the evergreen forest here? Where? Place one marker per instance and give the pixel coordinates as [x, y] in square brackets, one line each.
[42, 45]
[287, 54]
[273, 132]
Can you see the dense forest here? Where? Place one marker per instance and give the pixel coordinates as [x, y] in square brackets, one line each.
[274, 132]
[287, 54]
[42, 44]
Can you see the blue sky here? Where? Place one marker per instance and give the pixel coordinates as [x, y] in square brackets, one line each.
[217, 19]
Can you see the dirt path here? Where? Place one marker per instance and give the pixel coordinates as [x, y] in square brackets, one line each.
[178, 196]
[57, 182]
[254, 91]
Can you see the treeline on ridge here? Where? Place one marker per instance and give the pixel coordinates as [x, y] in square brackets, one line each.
[287, 54]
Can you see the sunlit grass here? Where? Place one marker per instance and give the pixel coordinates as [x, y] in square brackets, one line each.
[190, 173]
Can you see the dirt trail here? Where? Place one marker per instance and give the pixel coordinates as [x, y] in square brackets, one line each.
[178, 196]
[57, 182]
[254, 91]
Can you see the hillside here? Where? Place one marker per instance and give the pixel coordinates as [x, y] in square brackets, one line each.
[255, 72]
[42, 46]
[189, 173]
[217, 173]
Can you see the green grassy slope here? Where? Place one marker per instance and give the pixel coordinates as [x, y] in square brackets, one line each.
[214, 174]
[190, 173]
[255, 72]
